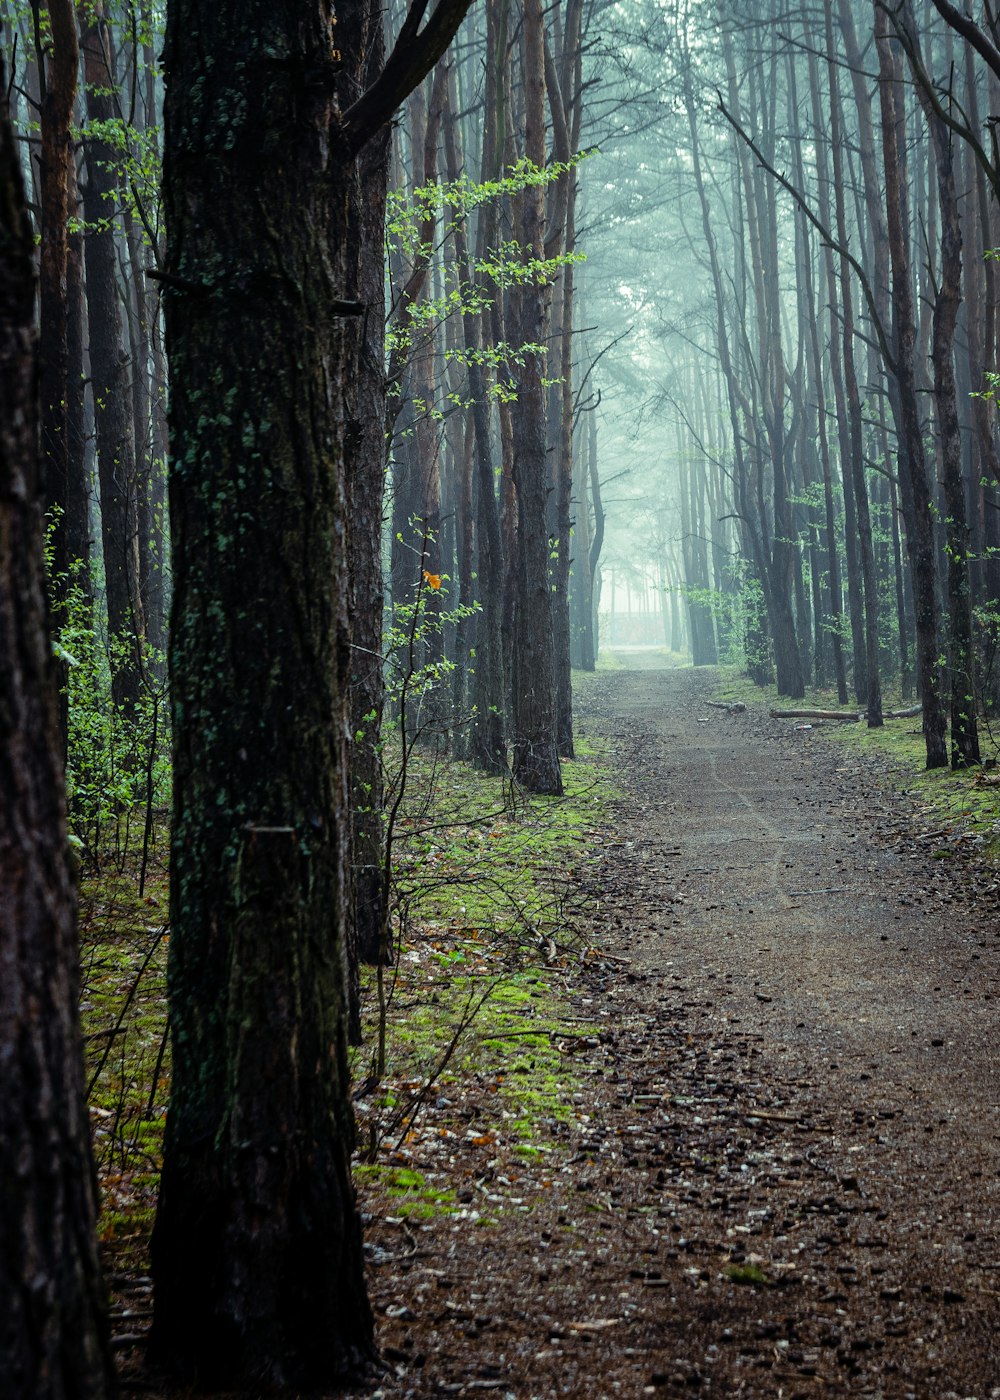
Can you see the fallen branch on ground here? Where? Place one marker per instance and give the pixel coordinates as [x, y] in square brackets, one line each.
[848, 716]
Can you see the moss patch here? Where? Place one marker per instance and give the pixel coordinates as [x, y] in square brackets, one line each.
[481, 1027]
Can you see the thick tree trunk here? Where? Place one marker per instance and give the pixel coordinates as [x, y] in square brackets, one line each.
[257, 1245]
[53, 1326]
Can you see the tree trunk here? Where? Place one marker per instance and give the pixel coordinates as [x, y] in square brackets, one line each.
[65, 485]
[964, 734]
[873, 687]
[257, 1245]
[109, 371]
[913, 469]
[535, 757]
[565, 99]
[580, 579]
[53, 1328]
[487, 747]
[363, 45]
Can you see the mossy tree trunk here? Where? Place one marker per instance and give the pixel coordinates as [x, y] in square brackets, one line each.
[257, 1245]
[53, 1326]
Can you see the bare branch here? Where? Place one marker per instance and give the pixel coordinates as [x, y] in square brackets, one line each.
[413, 56]
[969, 31]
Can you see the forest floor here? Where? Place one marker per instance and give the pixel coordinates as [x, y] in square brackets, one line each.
[728, 1122]
[780, 1171]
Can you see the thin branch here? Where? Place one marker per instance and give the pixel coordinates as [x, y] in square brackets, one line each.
[597, 359]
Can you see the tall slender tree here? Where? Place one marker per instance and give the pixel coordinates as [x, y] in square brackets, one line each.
[110, 372]
[65, 486]
[533, 704]
[913, 467]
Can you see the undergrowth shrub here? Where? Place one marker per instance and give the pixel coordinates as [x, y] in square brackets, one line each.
[117, 757]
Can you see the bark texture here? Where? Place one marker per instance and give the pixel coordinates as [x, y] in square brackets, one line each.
[53, 1327]
[363, 45]
[257, 1245]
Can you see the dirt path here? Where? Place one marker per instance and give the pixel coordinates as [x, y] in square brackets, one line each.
[783, 1180]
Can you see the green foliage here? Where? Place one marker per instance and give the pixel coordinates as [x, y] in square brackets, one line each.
[404, 214]
[727, 608]
[139, 167]
[505, 265]
[740, 610]
[116, 756]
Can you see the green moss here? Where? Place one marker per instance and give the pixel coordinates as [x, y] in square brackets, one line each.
[748, 1275]
[116, 1226]
[408, 1192]
[487, 882]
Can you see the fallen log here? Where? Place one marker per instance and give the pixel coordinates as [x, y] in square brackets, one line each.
[848, 716]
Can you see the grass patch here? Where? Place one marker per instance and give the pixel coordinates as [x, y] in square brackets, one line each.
[475, 852]
[409, 1195]
[123, 954]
